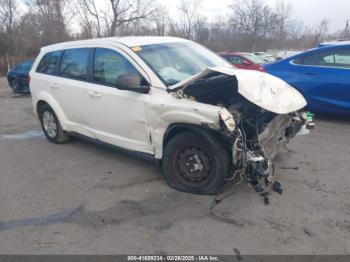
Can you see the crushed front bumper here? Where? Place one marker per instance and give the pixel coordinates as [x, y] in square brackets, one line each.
[281, 129]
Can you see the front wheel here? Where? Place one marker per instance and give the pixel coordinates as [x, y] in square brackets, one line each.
[51, 126]
[192, 164]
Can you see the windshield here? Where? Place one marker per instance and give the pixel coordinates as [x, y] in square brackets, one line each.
[254, 59]
[175, 62]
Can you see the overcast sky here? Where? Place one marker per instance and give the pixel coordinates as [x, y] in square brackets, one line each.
[310, 12]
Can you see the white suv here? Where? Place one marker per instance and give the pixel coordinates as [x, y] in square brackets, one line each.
[168, 99]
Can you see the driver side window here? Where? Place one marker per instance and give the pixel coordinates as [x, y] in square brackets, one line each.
[109, 66]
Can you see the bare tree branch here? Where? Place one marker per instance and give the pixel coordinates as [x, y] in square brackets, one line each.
[186, 20]
[8, 10]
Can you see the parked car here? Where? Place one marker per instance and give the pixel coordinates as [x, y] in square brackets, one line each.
[244, 61]
[265, 56]
[170, 100]
[336, 42]
[285, 54]
[17, 77]
[322, 75]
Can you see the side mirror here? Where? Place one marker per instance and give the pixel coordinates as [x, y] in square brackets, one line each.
[132, 82]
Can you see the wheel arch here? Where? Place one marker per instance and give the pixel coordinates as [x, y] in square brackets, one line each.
[211, 135]
[179, 135]
[45, 98]
[11, 77]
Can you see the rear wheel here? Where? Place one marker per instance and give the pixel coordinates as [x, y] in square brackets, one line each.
[51, 126]
[15, 86]
[191, 164]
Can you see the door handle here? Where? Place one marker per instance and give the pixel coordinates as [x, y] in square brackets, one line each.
[54, 86]
[311, 73]
[94, 94]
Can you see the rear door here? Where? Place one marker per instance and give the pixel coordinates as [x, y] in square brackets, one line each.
[69, 88]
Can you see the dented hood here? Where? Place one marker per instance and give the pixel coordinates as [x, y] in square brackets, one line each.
[262, 89]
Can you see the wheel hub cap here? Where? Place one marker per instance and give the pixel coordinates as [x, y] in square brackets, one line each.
[49, 124]
[193, 164]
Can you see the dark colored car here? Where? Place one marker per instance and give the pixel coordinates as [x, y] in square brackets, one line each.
[18, 77]
[322, 75]
[244, 61]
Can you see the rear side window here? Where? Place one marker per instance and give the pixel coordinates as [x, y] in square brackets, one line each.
[342, 58]
[49, 63]
[335, 58]
[75, 63]
[320, 59]
[298, 61]
[109, 65]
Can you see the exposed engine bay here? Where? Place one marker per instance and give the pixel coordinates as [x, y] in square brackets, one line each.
[256, 134]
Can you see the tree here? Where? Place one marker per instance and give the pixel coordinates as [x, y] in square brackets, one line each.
[127, 11]
[252, 19]
[321, 31]
[8, 11]
[281, 22]
[53, 17]
[113, 17]
[87, 10]
[202, 31]
[158, 21]
[186, 20]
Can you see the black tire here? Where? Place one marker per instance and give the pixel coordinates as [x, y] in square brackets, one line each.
[60, 136]
[180, 160]
[16, 87]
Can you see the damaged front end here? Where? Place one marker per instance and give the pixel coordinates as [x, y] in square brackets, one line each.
[259, 115]
[260, 135]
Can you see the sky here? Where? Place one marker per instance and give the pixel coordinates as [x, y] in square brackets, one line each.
[310, 12]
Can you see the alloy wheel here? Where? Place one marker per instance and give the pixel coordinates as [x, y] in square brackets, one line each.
[49, 123]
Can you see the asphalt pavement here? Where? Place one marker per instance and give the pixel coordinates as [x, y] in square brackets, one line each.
[80, 198]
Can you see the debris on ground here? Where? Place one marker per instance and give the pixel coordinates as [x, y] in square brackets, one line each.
[308, 231]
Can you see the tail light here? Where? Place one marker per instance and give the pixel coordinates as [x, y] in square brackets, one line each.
[28, 79]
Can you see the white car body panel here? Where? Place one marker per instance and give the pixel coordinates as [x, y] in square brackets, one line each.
[139, 121]
[118, 117]
[164, 109]
[262, 89]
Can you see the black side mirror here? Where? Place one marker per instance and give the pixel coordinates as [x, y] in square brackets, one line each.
[132, 82]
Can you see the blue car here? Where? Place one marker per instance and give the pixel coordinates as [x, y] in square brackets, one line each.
[18, 77]
[322, 75]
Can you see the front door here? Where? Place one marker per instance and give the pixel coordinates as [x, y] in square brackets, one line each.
[116, 116]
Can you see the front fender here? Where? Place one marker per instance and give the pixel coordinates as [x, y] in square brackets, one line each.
[204, 131]
[163, 116]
